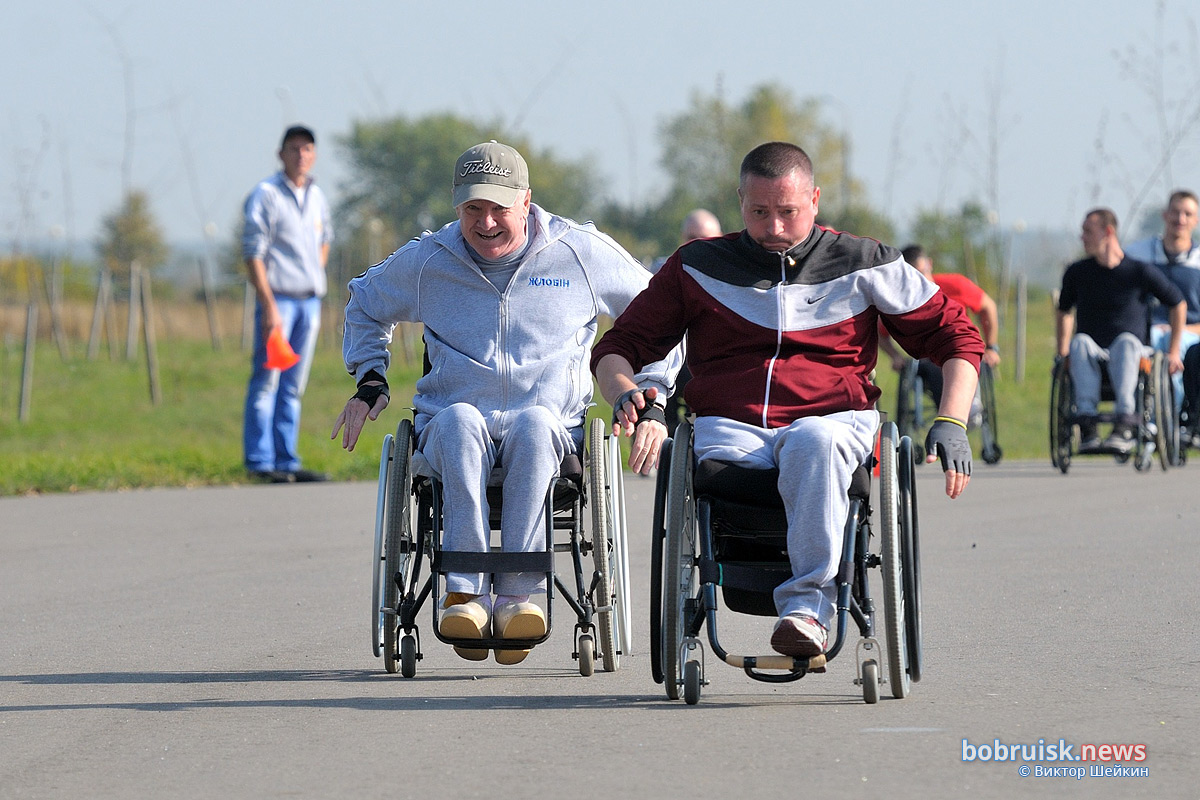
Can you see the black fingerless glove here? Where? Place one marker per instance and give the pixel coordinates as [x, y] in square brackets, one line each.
[947, 439]
[370, 393]
[650, 412]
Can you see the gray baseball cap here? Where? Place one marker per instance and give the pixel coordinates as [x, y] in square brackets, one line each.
[490, 171]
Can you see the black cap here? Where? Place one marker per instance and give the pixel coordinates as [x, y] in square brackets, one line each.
[298, 131]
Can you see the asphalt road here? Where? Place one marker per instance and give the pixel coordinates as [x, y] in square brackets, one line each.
[215, 643]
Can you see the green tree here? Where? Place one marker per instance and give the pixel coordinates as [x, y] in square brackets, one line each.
[704, 145]
[131, 234]
[400, 179]
[958, 242]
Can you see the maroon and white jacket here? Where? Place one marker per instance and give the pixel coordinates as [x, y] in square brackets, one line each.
[772, 337]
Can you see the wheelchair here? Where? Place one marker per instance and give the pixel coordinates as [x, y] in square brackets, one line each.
[1154, 405]
[408, 534]
[719, 525]
[915, 411]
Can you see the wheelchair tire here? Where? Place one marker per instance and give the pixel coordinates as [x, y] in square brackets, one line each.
[691, 682]
[1061, 409]
[619, 539]
[398, 543]
[891, 562]
[408, 656]
[988, 431]
[679, 559]
[657, 537]
[378, 618]
[870, 682]
[587, 655]
[906, 399]
[1166, 420]
[604, 599]
[910, 554]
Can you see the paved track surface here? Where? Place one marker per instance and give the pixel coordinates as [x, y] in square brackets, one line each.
[214, 643]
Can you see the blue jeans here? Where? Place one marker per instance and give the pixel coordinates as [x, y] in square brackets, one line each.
[1160, 339]
[271, 426]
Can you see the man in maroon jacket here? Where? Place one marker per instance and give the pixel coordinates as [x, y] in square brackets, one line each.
[781, 320]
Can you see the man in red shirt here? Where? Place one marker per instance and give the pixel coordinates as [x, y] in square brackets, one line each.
[973, 298]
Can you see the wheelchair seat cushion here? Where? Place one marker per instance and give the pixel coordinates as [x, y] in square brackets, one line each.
[757, 487]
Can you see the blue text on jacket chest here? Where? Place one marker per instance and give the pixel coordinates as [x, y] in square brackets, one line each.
[558, 283]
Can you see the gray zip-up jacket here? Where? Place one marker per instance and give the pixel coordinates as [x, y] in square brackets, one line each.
[287, 236]
[500, 352]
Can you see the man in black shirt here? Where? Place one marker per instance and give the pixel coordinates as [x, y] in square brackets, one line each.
[1107, 295]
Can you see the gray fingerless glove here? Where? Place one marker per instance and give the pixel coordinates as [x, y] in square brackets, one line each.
[947, 439]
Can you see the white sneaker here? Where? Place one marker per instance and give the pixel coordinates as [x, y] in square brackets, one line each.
[517, 620]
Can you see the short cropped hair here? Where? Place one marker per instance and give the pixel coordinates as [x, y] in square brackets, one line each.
[913, 253]
[1107, 218]
[1182, 194]
[775, 160]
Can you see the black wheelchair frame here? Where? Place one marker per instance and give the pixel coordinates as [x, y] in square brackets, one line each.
[915, 411]
[408, 531]
[691, 558]
[1154, 405]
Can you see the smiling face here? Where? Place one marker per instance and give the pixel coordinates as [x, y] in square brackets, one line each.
[1180, 218]
[779, 212]
[492, 230]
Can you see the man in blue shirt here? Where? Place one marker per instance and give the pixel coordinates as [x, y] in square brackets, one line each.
[285, 244]
[1178, 256]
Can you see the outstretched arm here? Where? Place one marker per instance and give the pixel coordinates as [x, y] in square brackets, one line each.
[947, 439]
[367, 403]
[989, 326]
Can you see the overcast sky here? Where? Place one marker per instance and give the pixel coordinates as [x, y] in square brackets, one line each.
[916, 83]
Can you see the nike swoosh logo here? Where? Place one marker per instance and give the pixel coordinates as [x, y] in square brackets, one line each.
[812, 300]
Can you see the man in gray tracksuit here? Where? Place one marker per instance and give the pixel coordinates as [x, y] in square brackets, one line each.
[509, 295]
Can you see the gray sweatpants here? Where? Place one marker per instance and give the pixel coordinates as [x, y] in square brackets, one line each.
[462, 451]
[816, 457]
[1122, 357]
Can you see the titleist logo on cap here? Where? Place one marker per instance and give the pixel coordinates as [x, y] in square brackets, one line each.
[483, 166]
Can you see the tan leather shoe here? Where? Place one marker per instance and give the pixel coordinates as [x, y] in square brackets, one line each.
[465, 617]
[517, 621]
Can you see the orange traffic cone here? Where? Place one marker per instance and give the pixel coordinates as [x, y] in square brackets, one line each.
[280, 354]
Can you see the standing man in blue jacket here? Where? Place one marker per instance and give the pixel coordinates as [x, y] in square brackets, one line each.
[509, 295]
[285, 244]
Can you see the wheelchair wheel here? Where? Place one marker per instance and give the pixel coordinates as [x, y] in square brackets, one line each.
[619, 538]
[657, 540]
[603, 554]
[1145, 401]
[691, 682]
[394, 531]
[870, 682]
[991, 451]
[1061, 409]
[587, 655]
[910, 554]
[907, 399]
[408, 656]
[1166, 420]
[892, 562]
[680, 577]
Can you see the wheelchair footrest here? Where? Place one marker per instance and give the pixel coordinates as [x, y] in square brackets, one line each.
[789, 663]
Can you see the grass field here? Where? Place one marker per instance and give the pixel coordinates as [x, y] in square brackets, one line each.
[92, 425]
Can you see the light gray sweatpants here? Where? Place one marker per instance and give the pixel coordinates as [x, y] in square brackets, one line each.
[816, 457]
[462, 451]
[1122, 357]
